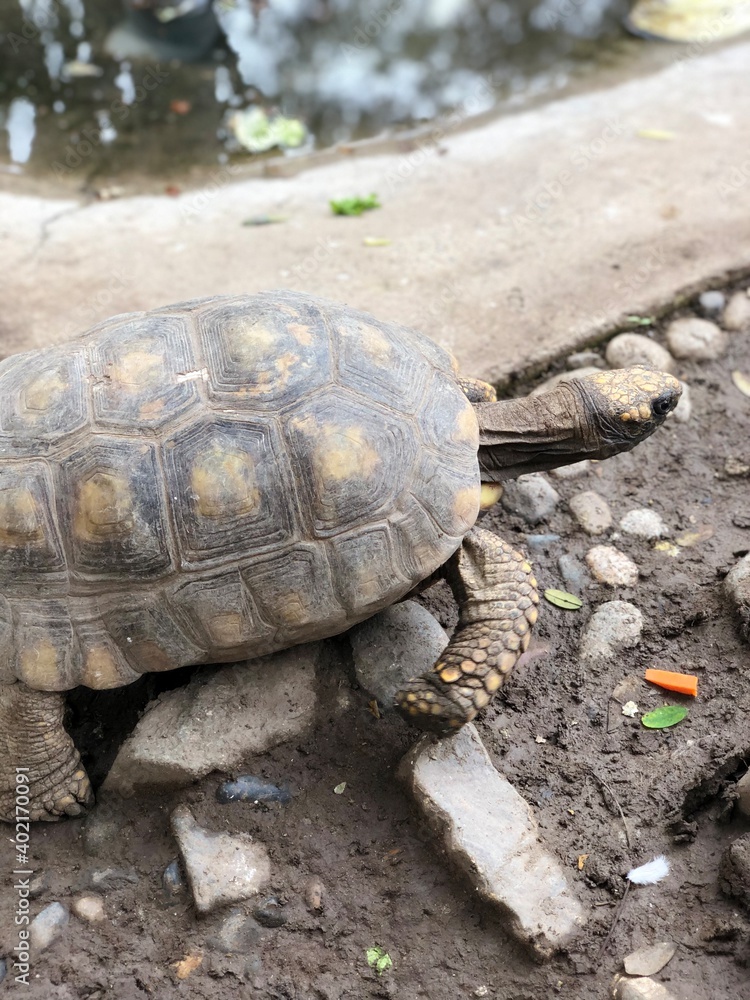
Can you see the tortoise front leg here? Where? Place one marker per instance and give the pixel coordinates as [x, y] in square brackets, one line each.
[497, 598]
[34, 741]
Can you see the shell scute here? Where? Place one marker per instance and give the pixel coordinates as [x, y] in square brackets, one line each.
[29, 542]
[43, 395]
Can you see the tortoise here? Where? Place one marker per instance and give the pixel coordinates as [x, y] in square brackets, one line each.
[230, 476]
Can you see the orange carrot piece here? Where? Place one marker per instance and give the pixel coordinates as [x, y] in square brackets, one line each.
[682, 683]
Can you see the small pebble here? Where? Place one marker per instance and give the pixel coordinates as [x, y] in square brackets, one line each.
[248, 788]
[609, 565]
[573, 573]
[173, 879]
[314, 895]
[712, 303]
[237, 934]
[628, 349]
[541, 541]
[735, 466]
[737, 313]
[696, 339]
[591, 511]
[47, 927]
[684, 409]
[743, 792]
[614, 626]
[649, 960]
[584, 359]
[270, 913]
[643, 523]
[39, 885]
[573, 471]
[107, 879]
[531, 497]
[734, 870]
[640, 989]
[554, 380]
[89, 908]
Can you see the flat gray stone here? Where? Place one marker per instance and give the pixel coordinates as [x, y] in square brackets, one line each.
[402, 642]
[48, 926]
[222, 868]
[650, 959]
[737, 313]
[695, 339]
[591, 511]
[643, 523]
[572, 471]
[490, 833]
[614, 626]
[531, 497]
[609, 565]
[743, 792]
[641, 989]
[218, 720]
[628, 349]
[573, 572]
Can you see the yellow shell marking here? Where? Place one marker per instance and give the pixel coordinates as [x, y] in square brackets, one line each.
[293, 608]
[38, 664]
[344, 453]
[250, 342]
[139, 367]
[224, 484]
[104, 508]
[301, 333]
[467, 426]
[100, 669]
[225, 628]
[466, 507]
[151, 658]
[19, 519]
[40, 393]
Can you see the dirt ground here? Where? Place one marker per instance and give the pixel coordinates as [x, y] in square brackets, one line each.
[554, 732]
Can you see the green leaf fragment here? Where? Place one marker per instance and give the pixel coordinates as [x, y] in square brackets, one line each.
[340, 789]
[376, 241]
[379, 959]
[264, 220]
[257, 132]
[664, 717]
[641, 320]
[562, 599]
[355, 205]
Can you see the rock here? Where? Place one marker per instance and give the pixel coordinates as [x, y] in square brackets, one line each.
[314, 893]
[734, 466]
[712, 303]
[39, 885]
[541, 541]
[89, 908]
[584, 359]
[572, 471]
[172, 879]
[628, 349]
[696, 339]
[609, 565]
[270, 913]
[221, 868]
[734, 870]
[640, 989]
[649, 960]
[531, 497]
[248, 788]
[643, 523]
[684, 409]
[108, 879]
[591, 511]
[743, 792]
[737, 586]
[573, 572]
[48, 926]
[490, 833]
[237, 934]
[401, 642]
[3, 969]
[737, 313]
[554, 380]
[218, 720]
[614, 626]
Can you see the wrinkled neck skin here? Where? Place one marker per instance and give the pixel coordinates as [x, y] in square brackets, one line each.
[538, 433]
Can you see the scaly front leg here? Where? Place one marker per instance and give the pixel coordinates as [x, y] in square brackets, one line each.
[497, 598]
[33, 740]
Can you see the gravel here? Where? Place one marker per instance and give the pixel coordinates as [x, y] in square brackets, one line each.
[89, 909]
[628, 349]
[712, 303]
[591, 511]
[614, 626]
[609, 565]
[643, 523]
[737, 313]
[694, 339]
[531, 497]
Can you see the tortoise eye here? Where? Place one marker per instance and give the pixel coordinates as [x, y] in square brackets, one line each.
[664, 404]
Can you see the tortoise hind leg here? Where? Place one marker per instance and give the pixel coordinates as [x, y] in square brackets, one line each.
[497, 598]
[34, 745]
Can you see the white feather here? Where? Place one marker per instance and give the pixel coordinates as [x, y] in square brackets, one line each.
[650, 873]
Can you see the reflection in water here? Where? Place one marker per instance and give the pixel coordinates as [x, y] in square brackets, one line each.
[347, 68]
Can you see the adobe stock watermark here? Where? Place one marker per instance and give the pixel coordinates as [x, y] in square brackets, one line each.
[22, 878]
[192, 205]
[368, 31]
[429, 145]
[733, 180]
[45, 15]
[306, 268]
[91, 138]
[90, 312]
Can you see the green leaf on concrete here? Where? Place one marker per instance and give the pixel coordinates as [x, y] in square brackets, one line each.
[355, 205]
[664, 717]
[562, 599]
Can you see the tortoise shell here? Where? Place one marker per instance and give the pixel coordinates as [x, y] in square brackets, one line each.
[218, 480]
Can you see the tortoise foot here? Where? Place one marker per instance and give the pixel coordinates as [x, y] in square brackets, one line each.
[71, 796]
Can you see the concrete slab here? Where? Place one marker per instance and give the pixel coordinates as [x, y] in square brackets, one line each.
[511, 243]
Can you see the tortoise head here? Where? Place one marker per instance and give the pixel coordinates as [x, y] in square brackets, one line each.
[595, 416]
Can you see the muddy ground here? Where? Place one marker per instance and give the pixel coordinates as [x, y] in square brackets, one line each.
[554, 731]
